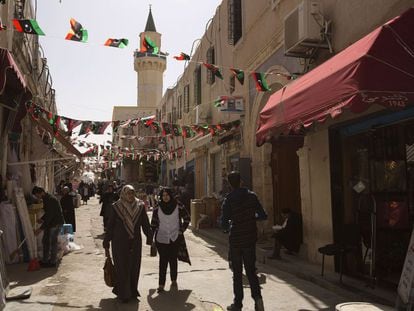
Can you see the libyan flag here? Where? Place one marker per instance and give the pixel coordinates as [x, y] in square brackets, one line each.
[77, 33]
[117, 43]
[239, 74]
[261, 84]
[182, 56]
[214, 69]
[29, 26]
[149, 46]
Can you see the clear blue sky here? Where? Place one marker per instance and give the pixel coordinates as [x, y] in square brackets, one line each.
[90, 78]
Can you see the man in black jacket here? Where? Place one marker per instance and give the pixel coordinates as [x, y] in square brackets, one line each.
[240, 210]
[52, 221]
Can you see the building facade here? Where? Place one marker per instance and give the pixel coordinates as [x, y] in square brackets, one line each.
[28, 155]
[295, 171]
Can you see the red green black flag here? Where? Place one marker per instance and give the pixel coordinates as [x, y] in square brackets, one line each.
[214, 69]
[187, 131]
[77, 33]
[182, 56]
[29, 26]
[117, 43]
[261, 84]
[149, 46]
[239, 74]
[176, 129]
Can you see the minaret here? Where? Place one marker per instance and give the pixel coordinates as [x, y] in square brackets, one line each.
[150, 68]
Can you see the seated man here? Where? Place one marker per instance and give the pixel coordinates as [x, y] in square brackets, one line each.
[288, 235]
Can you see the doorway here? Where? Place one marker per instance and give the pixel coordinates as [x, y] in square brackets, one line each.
[373, 187]
[286, 176]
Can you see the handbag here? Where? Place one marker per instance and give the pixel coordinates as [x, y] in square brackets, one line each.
[183, 251]
[153, 250]
[109, 272]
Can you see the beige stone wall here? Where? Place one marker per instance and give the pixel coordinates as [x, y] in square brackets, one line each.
[315, 194]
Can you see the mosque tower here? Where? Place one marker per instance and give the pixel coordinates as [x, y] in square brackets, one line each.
[150, 68]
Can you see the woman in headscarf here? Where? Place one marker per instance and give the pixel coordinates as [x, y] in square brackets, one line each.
[169, 221]
[68, 207]
[126, 217]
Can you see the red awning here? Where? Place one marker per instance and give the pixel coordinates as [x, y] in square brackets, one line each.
[377, 69]
[9, 67]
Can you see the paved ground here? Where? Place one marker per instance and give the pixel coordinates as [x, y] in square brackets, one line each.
[206, 285]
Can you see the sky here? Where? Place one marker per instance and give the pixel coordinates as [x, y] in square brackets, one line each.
[90, 78]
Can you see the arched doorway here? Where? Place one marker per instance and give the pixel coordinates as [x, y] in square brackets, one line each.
[279, 186]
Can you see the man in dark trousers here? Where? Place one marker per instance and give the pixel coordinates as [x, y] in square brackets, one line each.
[240, 210]
[52, 221]
[289, 234]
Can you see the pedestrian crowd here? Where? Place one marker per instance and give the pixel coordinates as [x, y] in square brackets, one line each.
[124, 212]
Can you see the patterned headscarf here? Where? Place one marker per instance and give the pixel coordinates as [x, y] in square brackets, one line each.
[127, 211]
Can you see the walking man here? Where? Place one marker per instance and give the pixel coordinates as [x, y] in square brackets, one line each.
[52, 221]
[240, 210]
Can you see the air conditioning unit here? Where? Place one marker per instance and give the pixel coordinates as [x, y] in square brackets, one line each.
[302, 31]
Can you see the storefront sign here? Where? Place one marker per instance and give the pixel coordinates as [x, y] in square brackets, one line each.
[405, 287]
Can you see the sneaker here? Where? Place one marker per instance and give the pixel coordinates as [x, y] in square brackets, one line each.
[258, 304]
[233, 307]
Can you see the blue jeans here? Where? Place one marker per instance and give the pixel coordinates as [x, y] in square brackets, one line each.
[246, 257]
[50, 241]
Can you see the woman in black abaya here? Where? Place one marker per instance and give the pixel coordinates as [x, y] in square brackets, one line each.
[126, 218]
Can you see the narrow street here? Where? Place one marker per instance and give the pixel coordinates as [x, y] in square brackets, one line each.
[206, 285]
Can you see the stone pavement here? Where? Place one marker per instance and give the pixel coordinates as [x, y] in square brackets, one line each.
[353, 289]
[77, 284]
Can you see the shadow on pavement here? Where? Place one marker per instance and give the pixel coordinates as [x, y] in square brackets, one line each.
[19, 276]
[217, 243]
[173, 300]
[114, 304]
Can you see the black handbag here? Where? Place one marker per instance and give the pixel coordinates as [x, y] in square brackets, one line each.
[153, 250]
[109, 272]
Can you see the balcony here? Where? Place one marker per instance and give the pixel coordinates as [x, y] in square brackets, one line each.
[161, 55]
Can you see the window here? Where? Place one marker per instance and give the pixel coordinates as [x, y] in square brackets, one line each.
[211, 59]
[180, 107]
[197, 85]
[174, 115]
[234, 21]
[187, 98]
[169, 117]
[232, 84]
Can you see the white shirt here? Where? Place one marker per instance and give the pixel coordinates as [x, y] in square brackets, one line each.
[169, 226]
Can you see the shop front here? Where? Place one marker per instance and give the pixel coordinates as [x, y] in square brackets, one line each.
[373, 173]
[361, 175]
